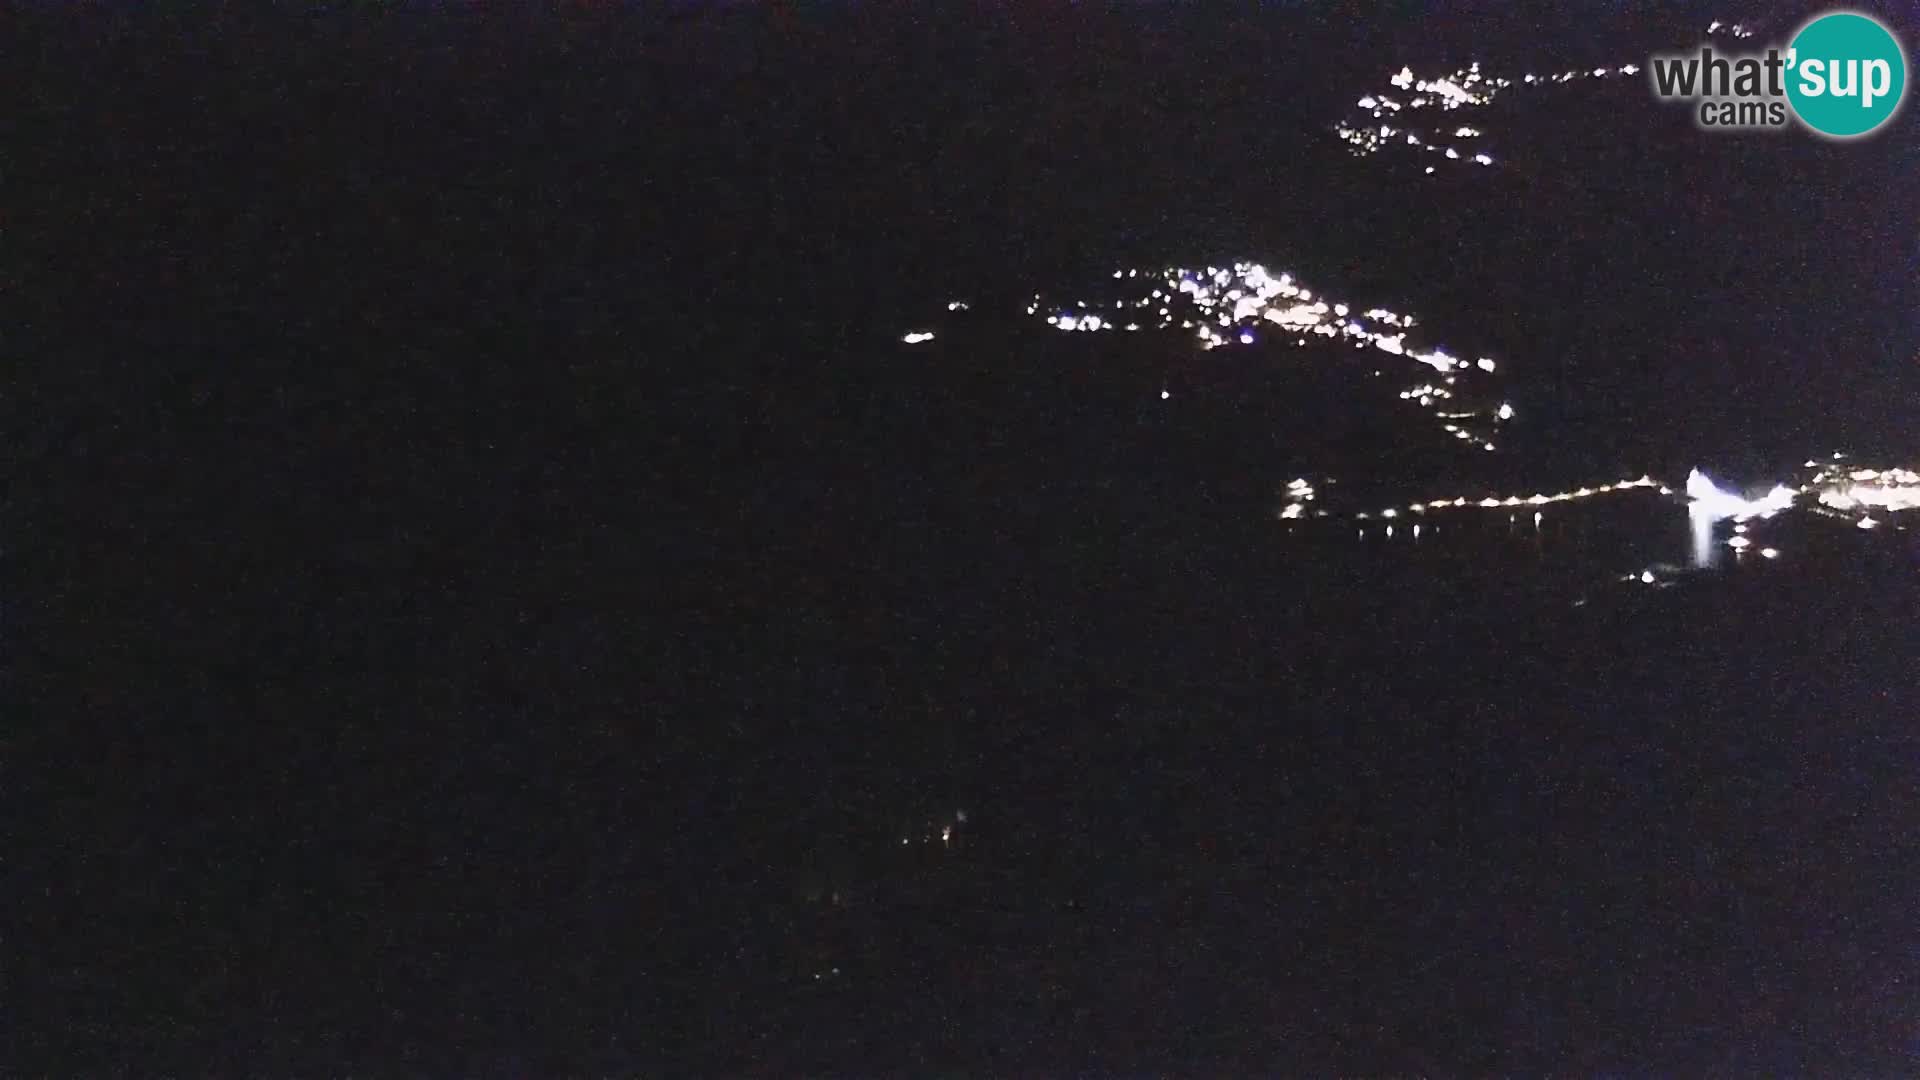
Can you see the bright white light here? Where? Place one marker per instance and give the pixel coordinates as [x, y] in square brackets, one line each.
[918, 336]
[1646, 577]
[1485, 364]
[1506, 411]
[1739, 543]
[1891, 496]
[1719, 504]
[1769, 553]
[1482, 159]
[1867, 522]
[1164, 395]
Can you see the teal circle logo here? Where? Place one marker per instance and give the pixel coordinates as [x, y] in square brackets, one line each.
[1846, 75]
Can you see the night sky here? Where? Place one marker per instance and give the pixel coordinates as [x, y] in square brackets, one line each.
[495, 594]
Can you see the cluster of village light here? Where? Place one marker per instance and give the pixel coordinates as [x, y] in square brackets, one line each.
[1849, 493]
[1223, 306]
[940, 832]
[1299, 494]
[1371, 129]
[1854, 492]
[1839, 490]
[1235, 305]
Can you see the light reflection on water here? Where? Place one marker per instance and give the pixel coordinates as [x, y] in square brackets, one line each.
[1701, 519]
